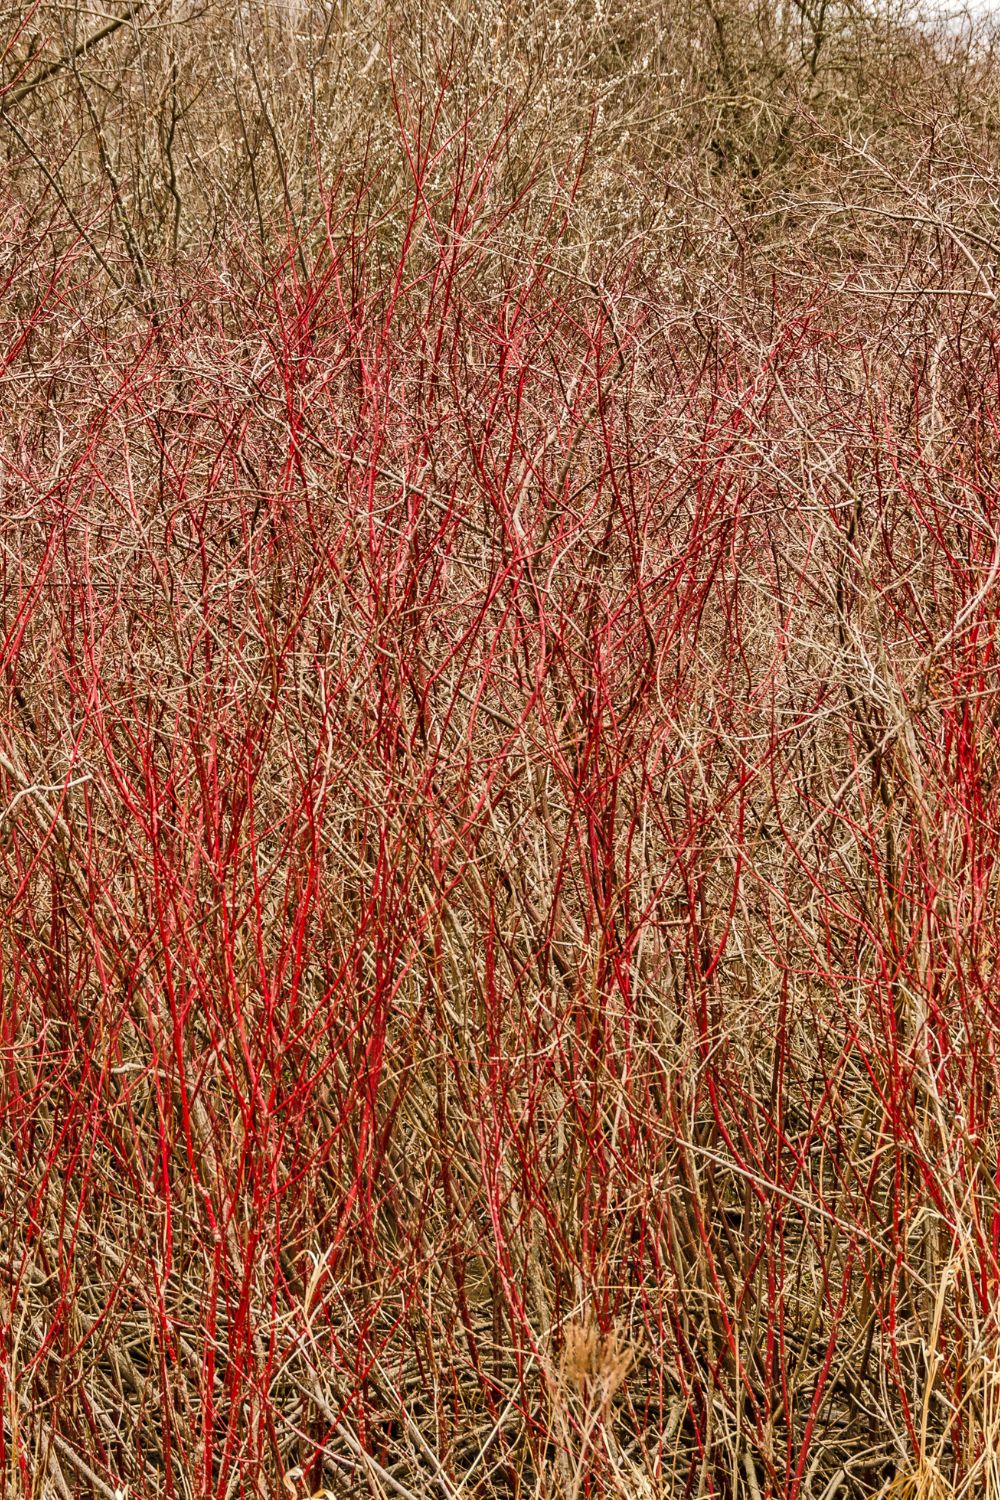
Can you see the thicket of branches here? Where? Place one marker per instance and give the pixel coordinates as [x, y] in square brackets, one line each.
[499, 778]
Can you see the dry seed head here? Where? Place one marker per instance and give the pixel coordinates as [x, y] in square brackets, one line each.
[592, 1362]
